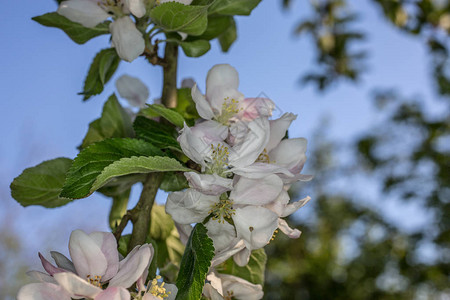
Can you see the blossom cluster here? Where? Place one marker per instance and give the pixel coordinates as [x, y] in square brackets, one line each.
[247, 167]
[128, 40]
[96, 272]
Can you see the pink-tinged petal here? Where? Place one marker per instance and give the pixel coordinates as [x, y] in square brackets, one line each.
[108, 245]
[42, 291]
[51, 269]
[284, 227]
[253, 108]
[260, 191]
[149, 296]
[87, 256]
[203, 106]
[225, 254]
[255, 225]
[279, 205]
[63, 262]
[114, 293]
[189, 206]
[222, 234]
[87, 13]
[294, 206]
[193, 146]
[133, 90]
[242, 289]
[278, 129]
[41, 277]
[260, 170]
[134, 267]
[290, 153]
[127, 40]
[76, 286]
[210, 131]
[209, 184]
[246, 152]
[136, 7]
[221, 75]
[242, 257]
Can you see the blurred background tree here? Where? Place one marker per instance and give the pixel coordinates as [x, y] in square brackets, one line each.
[348, 249]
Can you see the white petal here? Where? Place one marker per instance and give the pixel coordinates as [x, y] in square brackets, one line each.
[257, 191]
[260, 170]
[210, 131]
[203, 107]
[184, 230]
[132, 89]
[215, 281]
[221, 95]
[211, 293]
[290, 153]
[136, 7]
[278, 129]
[41, 277]
[221, 75]
[114, 293]
[108, 245]
[127, 40]
[209, 184]
[189, 206]
[294, 206]
[284, 227]
[194, 147]
[85, 12]
[76, 285]
[172, 290]
[221, 256]
[134, 266]
[242, 289]
[247, 152]
[255, 225]
[42, 291]
[62, 261]
[86, 255]
[242, 257]
[222, 234]
[51, 269]
[279, 205]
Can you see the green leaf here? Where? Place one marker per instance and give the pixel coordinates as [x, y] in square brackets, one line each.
[227, 38]
[101, 70]
[233, 7]
[195, 48]
[160, 135]
[253, 271]
[133, 165]
[161, 224]
[41, 185]
[174, 16]
[91, 162]
[77, 32]
[195, 264]
[173, 182]
[186, 106]
[114, 122]
[216, 26]
[169, 114]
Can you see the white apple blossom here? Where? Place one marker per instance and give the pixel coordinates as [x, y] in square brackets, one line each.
[126, 38]
[133, 90]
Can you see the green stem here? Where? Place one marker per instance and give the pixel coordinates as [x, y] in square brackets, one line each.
[169, 93]
[140, 215]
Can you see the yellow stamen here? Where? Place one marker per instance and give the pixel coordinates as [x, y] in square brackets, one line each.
[222, 210]
[94, 280]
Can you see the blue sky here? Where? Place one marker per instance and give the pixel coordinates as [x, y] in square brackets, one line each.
[42, 117]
